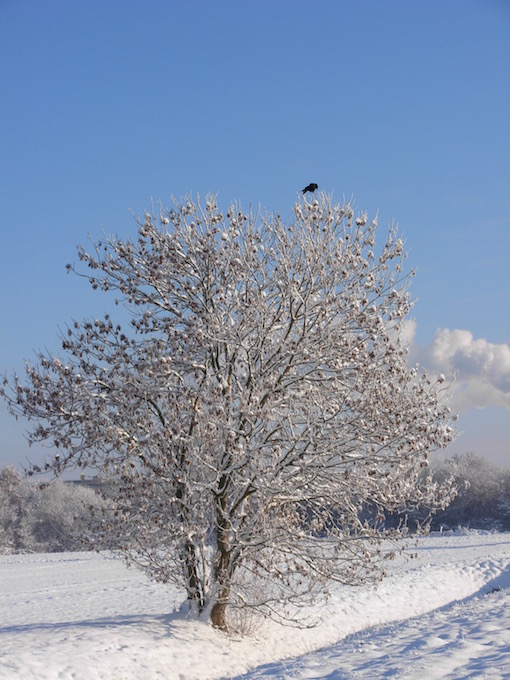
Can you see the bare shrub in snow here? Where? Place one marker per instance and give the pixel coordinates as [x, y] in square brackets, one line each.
[258, 400]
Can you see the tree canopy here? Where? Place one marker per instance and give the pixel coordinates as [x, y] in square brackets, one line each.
[257, 403]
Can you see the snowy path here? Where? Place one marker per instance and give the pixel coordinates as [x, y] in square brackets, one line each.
[86, 617]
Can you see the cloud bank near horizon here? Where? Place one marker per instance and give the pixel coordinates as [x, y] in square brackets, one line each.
[481, 368]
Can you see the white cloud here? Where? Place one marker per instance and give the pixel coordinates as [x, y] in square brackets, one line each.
[481, 368]
[408, 332]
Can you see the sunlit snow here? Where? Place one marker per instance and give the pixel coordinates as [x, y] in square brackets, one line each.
[443, 614]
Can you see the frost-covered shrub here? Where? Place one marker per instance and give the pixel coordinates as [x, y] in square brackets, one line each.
[42, 518]
[62, 517]
[483, 500]
[17, 504]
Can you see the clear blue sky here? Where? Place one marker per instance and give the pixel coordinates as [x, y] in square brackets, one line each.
[403, 105]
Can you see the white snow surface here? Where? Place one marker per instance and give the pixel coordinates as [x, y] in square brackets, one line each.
[442, 614]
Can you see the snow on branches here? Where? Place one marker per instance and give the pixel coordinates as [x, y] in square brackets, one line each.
[257, 416]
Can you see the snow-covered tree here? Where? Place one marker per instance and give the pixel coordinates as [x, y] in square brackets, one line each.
[483, 501]
[42, 517]
[17, 499]
[61, 516]
[256, 403]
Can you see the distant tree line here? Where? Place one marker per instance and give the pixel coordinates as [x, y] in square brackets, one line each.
[482, 501]
[50, 518]
[37, 517]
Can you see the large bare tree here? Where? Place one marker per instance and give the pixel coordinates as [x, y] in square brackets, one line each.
[255, 417]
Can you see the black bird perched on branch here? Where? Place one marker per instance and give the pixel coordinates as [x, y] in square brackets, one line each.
[311, 188]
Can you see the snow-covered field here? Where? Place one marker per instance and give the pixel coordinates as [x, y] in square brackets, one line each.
[444, 614]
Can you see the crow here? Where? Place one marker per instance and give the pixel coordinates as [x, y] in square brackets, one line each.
[311, 188]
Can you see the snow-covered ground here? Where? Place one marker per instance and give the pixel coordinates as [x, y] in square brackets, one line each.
[443, 614]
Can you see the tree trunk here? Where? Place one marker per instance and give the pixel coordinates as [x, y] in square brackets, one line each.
[194, 587]
[219, 616]
[222, 562]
